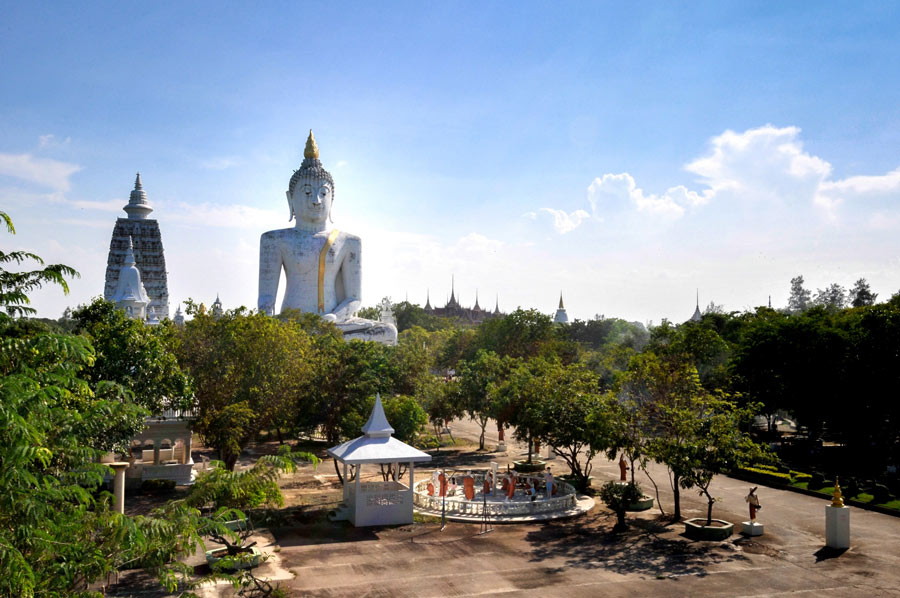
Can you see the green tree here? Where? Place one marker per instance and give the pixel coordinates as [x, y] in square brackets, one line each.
[477, 380]
[574, 412]
[519, 397]
[861, 294]
[15, 286]
[717, 444]
[263, 364]
[832, 298]
[135, 355]
[800, 298]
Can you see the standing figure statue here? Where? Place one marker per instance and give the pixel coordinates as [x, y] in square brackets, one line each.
[548, 483]
[753, 502]
[623, 467]
[322, 267]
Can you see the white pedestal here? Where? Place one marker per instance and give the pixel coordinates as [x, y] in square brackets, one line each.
[752, 529]
[837, 527]
[501, 447]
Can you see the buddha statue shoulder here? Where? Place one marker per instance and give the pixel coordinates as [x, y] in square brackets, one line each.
[322, 266]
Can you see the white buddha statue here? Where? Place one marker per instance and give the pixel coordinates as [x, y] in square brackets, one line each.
[321, 266]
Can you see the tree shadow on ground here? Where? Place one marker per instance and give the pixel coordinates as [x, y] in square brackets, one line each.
[646, 547]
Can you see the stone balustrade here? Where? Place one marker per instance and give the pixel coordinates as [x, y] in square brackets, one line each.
[564, 500]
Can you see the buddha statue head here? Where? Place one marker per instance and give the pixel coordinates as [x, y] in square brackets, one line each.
[311, 189]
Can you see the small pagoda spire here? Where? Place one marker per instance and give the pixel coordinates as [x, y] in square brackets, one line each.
[561, 306]
[477, 307]
[129, 253]
[452, 300]
[311, 150]
[497, 305]
[427, 299]
[770, 301]
[377, 426]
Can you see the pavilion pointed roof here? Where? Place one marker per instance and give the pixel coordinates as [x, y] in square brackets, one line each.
[377, 445]
[377, 426]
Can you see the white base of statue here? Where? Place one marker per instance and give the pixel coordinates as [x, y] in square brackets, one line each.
[754, 528]
[837, 527]
[501, 447]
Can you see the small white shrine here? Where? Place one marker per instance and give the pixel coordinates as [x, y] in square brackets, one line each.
[377, 503]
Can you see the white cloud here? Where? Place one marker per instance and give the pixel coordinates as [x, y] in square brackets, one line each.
[220, 163]
[43, 171]
[564, 222]
[50, 140]
[110, 205]
[616, 188]
[232, 216]
[765, 164]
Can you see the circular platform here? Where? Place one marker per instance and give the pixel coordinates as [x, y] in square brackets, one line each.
[496, 507]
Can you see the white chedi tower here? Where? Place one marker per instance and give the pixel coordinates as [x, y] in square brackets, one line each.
[561, 316]
[130, 295]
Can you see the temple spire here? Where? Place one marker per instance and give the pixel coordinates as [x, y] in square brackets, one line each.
[427, 299]
[138, 208]
[770, 301]
[561, 306]
[697, 315]
[497, 304]
[476, 301]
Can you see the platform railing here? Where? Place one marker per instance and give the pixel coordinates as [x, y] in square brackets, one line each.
[457, 504]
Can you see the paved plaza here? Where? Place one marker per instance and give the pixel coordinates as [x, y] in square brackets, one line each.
[580, 557]
[574, 557]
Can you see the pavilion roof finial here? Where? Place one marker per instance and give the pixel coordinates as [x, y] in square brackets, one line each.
[137, 182]
[378, 425]
[311, 150]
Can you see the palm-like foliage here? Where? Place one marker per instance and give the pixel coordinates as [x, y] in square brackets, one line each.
[15, 286]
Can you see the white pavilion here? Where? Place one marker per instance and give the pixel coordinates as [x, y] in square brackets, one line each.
[377, 503]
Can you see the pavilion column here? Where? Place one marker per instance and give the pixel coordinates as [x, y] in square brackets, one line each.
[412, 475]
[187, 449]
[156, 451]
[358, 476]
[346, 481]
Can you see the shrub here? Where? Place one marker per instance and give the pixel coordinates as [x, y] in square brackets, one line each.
[157, 486]
[768, 475]
[799, 476]
[617, 497]
[764, 466]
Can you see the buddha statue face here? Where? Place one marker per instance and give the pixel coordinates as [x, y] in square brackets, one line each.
[310, 200]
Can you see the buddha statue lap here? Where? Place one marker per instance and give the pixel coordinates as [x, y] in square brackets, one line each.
[322, 267]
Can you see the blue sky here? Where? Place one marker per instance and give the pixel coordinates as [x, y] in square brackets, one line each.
[624, 156]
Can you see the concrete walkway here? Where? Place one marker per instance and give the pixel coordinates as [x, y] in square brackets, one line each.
[580, 557]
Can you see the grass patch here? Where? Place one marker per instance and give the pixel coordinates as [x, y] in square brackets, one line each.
[420, 518]
[893, 504]
[804, 485]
